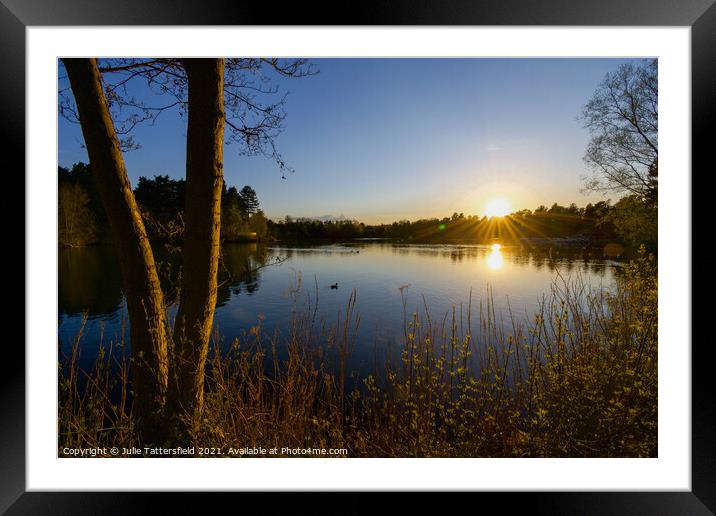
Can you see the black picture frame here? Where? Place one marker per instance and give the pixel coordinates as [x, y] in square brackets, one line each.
[16, 15]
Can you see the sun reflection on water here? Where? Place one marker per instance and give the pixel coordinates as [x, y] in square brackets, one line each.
[495, 260]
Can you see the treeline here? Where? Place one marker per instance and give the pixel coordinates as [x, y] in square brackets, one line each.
[291, 230]
[83, 221]
[81, 216]
[630, 221]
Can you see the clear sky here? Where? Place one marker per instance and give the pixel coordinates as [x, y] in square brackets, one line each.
[380, 140]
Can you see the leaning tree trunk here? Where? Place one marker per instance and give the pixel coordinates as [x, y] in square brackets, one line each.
[145, 302]
[204, 180]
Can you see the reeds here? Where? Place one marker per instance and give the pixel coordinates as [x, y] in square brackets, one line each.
[579, 379]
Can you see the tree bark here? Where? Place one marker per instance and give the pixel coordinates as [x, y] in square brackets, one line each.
[145, 301]
[204, 180]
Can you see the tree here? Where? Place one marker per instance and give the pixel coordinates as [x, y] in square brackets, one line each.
[77, 224]
[250, 200]
[161, 201]
[234, 217]
[81, 174]
[259, 224]
[622, 118]
[231, 197]
[204, 181]
[254, 106]
[162, 196]
[212, 93]
[145, 301]
[635, 221]
[233, 222]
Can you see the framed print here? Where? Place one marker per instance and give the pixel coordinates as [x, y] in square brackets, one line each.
[415, 250]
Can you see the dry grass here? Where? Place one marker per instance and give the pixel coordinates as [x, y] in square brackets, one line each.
[578, 380]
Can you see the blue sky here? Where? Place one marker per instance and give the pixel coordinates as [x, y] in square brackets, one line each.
[380, 140]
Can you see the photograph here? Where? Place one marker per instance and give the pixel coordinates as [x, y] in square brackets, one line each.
[357, 257]
[418, 253]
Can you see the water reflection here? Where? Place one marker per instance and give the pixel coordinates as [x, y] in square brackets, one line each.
[495, 260]
[90, 278]
[88, 281]
[254, 280]
[240, 270]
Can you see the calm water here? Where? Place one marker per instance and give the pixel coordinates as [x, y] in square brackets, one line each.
[271, 281]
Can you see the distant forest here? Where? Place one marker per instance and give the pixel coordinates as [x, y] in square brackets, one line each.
[82, 220]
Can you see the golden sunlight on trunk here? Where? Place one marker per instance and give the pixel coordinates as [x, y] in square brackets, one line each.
[204, 177]
[145, 302]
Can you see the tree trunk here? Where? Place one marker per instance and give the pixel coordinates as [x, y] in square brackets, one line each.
[145, 301]
[204, 180]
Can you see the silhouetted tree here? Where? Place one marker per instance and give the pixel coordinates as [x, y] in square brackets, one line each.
[254, 104]
[249, 198]
[231, 197]
[162, 196]
[622, 117]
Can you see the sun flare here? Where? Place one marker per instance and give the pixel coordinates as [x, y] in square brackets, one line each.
[497, 207]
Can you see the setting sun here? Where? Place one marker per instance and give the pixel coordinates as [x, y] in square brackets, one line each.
[497, 207]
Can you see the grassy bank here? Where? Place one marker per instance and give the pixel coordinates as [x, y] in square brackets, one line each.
[579, 379]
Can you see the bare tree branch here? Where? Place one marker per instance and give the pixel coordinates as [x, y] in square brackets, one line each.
[622, 118]
[254, 102]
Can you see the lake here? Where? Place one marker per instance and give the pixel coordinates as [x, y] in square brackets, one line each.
[269, 283]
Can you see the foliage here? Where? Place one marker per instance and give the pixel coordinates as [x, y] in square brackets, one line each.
[77, 223]
[233, 223]
[631, 221]
[635, 221]
[241, 214]
[259, 224]
[249, 200]
[556, 221]
[162, 196]
[83, 221]
[81, 216]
